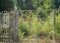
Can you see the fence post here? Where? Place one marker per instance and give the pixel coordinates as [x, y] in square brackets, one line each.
[16, 26]
[55, 25]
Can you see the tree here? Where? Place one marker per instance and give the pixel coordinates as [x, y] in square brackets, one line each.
[27, 4]
[6, 5]
[56, 3]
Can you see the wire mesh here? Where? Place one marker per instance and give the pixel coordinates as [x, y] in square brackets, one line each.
[38, 25]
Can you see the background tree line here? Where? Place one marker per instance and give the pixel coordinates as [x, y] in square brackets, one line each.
[29, 4]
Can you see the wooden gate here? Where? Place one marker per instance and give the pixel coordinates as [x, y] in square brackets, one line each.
[8, 26]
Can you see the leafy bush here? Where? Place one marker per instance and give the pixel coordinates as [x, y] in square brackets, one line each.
[24, 27]
[33, 26]
[58, 26]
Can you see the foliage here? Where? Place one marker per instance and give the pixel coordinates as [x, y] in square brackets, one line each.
[6, 5]
[37, 22]
[34, 4]
[58, 26]
[34, 26]
[24, 27]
